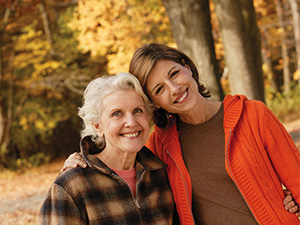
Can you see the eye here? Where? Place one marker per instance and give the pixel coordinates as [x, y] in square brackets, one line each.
[174, 73]
[158, 90]
[116, 113]
[138, 110]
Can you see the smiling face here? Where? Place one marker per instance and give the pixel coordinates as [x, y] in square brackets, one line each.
[172, 87]
[124, 122]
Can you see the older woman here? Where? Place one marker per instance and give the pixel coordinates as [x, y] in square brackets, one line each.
[227, 161]
[125, 182]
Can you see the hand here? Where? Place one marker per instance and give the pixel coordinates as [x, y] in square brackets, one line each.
[74, 160]
[289, 203]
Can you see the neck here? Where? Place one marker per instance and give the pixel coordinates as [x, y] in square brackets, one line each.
[125, 161]
[203, 111]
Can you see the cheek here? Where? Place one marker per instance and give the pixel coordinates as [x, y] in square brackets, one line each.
[111, 127]
[144, 123]
[159, 101]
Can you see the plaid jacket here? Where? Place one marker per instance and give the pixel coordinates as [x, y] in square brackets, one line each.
[97, 195]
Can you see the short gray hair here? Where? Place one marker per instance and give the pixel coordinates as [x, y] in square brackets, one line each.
[93, 96]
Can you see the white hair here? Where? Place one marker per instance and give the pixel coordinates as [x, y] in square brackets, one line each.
[93, 96]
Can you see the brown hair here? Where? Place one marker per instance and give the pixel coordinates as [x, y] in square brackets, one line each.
[142, 63]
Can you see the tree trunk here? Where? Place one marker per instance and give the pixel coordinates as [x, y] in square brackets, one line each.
[3, 113]
[2, 28]
[190, 20]
[267, 61]
[241, 40]
[284, 48]
[296, 24]
[46, 26]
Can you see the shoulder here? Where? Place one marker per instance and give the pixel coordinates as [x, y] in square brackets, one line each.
[73, 176]
[237, 107]
[242, 103]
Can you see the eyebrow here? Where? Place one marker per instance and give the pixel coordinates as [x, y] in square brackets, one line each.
[168, 76]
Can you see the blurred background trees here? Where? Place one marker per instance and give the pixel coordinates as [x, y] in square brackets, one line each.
[51, 49]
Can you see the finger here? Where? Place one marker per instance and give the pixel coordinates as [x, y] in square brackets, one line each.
[70, 165]
[73, 159]
[289, 205]
[287, 199]
[74, 155]
[74, 163]
[293, 209]
[78, 163]
[297, 214]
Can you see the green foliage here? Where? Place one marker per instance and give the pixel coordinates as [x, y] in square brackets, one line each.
[35, 126]
[33, 161]
[9, 161]
[285, 106]
[20, 164]
[4, 152]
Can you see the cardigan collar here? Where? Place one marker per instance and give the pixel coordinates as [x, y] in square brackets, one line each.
[233, 107]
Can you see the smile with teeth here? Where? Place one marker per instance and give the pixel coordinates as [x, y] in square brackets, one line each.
[182, 97]
[130, 135]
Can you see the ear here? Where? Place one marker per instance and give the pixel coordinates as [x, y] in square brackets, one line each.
[156, 106]
[188, 67]
[98, 129]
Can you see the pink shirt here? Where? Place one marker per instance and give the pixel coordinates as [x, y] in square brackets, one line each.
[130, 177]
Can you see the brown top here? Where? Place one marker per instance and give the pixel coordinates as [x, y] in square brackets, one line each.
[216, 199]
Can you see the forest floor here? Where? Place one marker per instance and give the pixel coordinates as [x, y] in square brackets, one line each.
[22, 193]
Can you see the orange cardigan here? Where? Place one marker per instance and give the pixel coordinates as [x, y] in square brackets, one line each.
[260, 156]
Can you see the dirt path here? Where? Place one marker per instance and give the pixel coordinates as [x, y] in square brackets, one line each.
[22, 194]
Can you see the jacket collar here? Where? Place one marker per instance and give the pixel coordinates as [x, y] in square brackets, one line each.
[145, 158]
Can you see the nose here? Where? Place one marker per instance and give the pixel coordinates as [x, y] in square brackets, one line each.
[130, 120]
[174, 88]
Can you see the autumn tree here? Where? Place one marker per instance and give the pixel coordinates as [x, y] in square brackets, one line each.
[295, 9]
[117, 28]
[241, 41]
[48, 67]
[192, 31]
[279, 45]
[42, 79]
[284, 47]
[6, 79]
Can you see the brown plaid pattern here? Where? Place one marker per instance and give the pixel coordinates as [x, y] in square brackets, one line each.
[97, 195]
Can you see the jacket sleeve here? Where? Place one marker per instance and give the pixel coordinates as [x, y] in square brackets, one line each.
[59, 208]
[283, 153]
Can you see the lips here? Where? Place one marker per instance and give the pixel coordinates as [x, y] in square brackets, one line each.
[181, 97]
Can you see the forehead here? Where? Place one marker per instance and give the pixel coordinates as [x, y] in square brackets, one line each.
[161, 69]
[122, 99]
[163, 64]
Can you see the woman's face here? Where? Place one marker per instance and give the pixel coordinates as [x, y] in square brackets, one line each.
[172, 87]
[124, 122]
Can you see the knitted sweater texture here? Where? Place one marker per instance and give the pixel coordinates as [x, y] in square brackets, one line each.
[260, 157]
